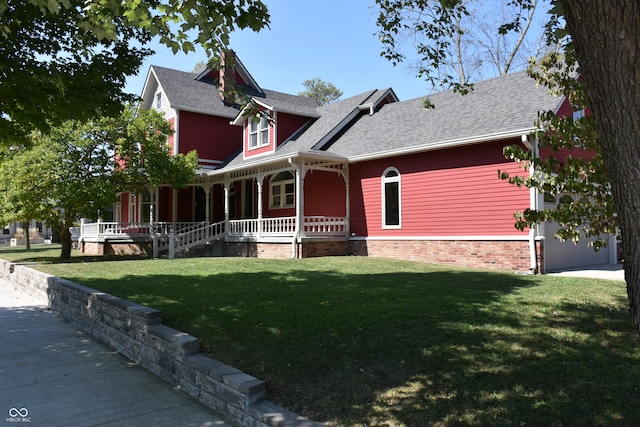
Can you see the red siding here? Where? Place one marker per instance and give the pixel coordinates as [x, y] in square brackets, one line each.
[287, 125]
[454, 192]
[284, 126]
[324, 194]
[165, 204]
[185, 205]
[124, 207]
[213, 137]
[566, 110]
[217, 200]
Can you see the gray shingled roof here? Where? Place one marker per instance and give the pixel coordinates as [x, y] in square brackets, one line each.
[330, 117]
[186, 93]
[281, 101]
[498, 106]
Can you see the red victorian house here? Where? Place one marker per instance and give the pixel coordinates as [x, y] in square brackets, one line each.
[367, 175]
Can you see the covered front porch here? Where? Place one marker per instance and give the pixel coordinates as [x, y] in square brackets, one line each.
[295, 201]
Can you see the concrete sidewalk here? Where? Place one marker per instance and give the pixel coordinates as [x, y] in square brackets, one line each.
[602, 271]
[52, 374]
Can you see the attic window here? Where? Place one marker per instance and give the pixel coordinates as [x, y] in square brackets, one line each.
[158, 100]
[258, 132]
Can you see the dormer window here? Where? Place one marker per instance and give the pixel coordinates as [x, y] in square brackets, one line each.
[258, 132]
[158, 101]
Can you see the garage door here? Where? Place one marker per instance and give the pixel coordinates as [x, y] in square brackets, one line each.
[561, 255]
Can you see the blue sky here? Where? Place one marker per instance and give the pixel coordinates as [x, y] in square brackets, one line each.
[330, 39]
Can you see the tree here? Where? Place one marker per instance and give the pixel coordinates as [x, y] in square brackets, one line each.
[55, 52]
[568, 166]
[20, 176]
[600, 41]
[459, 39]
[323, 92]
[605, 39]
[79, 167]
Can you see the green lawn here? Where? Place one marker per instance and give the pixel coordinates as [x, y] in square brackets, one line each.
[361, 341]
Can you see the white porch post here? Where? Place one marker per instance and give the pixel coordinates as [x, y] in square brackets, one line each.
[227, 184]
[300, 173]
[347, 225]
[299, 230]
[259, 183]
[207, 194]
[153, 193]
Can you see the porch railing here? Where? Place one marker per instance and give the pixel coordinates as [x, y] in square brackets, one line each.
[325, 226]
[179, 236]
[114, 230]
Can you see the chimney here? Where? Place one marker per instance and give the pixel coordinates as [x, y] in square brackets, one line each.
[227, 77]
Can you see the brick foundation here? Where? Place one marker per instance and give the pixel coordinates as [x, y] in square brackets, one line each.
[492, 254]
[259, 250]
[92, 248]
[318, 249]
[117, 248]
[307, 249]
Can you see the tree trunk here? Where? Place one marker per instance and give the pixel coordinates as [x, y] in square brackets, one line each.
[607, 43]
[65, 240]
[26, 235]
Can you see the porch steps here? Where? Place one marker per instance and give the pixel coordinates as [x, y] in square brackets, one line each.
[193, 237]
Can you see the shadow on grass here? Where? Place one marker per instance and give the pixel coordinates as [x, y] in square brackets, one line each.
[402, 348]
[50, 254]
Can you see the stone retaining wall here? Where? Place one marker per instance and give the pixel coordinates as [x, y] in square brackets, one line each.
[136, 332]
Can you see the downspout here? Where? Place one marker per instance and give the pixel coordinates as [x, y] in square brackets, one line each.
[533, 204]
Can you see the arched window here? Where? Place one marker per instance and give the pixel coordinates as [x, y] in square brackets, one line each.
[391, 198]
[283, 191]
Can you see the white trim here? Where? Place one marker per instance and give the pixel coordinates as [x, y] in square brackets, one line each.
[203, 111]
[475, 238]
[383, 190]
[208, 162]
[250, 163]
[176, 139]
[441, 145]
[259, 133]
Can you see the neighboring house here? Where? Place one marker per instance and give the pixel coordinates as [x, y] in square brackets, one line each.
[368, 175]
[14, 233]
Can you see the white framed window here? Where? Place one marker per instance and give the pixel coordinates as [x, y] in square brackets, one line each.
[391, 198]
[258, 132]
[283, 191]
[158, 100]
[145, 205]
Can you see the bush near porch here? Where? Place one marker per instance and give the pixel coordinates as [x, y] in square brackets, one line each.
[362, 341]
